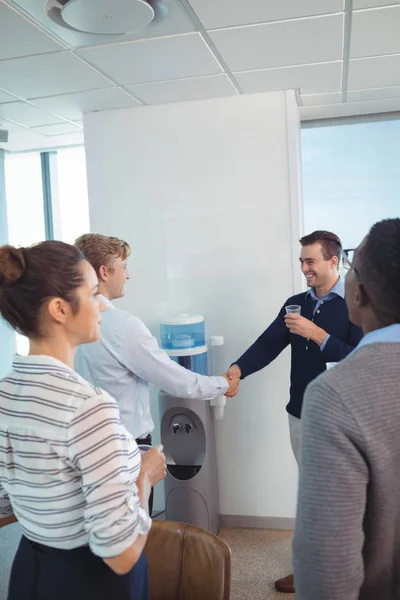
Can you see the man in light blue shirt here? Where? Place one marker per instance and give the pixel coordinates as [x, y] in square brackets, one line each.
[127, 357]
[337, 290]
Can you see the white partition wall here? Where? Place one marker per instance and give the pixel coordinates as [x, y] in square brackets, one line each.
[207, 194]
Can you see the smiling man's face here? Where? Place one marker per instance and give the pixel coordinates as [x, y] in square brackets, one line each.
[317, 271]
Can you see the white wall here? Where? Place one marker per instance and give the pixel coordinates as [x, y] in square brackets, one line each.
[206, 193]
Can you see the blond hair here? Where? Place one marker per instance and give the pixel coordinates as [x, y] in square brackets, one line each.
[100, 249]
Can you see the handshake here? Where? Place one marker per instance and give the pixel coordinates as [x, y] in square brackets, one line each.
[233, 377]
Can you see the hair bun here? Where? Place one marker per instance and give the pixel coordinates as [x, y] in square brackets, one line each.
[12, 266]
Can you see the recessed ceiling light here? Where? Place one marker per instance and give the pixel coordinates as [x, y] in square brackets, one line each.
[106, 17]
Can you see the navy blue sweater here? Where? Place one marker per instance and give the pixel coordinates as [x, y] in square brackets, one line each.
[307, 363]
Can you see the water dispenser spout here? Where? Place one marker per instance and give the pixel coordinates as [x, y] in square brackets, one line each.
[182, 424]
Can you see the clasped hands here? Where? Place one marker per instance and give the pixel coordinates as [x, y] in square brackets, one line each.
[296, 324]
[233, 377]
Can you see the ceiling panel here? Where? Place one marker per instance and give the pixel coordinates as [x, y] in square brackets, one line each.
[72, 106]
[357, 4]
[373, 94]
[6, 97]
[59, 129]
[349, 109]
[25, 114]
[12, 127]
[267, 44]
[179, 90]
[375, 32]
[48, 75]
[382, 71]
[154, 60]
[310, 79]
[227, 13]
[18, 37]
[321, 99]
[318, 39]
[177, 22]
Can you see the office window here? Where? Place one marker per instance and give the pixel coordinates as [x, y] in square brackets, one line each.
[73, 203]
[24, 197]
[351, 177]
[63, 176]
[25, 212]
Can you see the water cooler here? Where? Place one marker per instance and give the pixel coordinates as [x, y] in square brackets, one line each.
[187, 431]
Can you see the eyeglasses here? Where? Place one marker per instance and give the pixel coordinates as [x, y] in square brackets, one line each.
[348, 262]
[348, 257]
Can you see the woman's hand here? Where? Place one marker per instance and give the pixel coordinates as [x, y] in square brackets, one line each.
[154, 468]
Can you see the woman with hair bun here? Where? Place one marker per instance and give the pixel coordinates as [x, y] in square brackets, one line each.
[69, 471]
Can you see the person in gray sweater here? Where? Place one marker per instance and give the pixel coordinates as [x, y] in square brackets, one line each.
[347, 539]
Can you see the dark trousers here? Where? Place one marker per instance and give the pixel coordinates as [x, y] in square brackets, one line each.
[149, 442]
[43, 573]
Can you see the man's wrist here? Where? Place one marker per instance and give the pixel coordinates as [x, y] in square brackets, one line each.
[320, 336]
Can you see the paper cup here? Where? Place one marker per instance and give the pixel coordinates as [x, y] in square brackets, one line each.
[293, 309]
[330, 365]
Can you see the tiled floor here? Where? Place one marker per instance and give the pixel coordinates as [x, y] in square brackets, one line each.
[259, 557]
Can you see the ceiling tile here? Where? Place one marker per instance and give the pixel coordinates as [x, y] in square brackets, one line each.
[48, 75]
[72, 106]
[349, 109]
[357, 4]
[376, 72]
[320, 99]
[153, 60]
[6, 97]
[317, 39]
[19, 37]
[11, 126]
[25, 114]
[375, 32]
[373, 94]
[59, 129]
[228, 13]
[321, 77]
[176, 22]
[179, 90]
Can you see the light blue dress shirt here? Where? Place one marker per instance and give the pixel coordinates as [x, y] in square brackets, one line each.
[337, 290]
[127, 358]
[391, 333]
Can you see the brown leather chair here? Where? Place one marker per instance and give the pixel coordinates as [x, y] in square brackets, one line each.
[187, 563]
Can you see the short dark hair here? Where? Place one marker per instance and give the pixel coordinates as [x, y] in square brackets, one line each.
[378, 262]
[31, 276]
[330, 242]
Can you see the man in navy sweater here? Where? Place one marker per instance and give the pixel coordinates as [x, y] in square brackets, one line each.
[322, 333]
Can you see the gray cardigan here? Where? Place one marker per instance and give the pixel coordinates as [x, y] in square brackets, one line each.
[347, 540]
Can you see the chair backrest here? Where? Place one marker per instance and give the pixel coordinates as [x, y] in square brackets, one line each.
[187, 563]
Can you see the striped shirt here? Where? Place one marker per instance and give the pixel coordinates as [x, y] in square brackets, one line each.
[67, 465]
